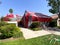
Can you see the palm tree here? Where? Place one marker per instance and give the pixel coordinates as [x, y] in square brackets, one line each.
[10, 10]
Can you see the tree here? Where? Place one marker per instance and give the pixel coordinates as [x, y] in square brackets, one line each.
[2, 18]
[55, 7]
[11, 10]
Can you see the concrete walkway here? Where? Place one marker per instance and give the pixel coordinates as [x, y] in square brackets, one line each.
[54, 32]
[31, 34]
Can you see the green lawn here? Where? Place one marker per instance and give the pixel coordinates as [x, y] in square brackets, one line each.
[44, 40]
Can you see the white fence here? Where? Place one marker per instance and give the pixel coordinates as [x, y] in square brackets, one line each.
[14, 22]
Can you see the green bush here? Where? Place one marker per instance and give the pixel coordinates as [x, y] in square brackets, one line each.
[58, 27]
[36, 29]
[35, 25]
[12, 24]
[2, 23]
[53, 23]
[9, 30]
[17, 35]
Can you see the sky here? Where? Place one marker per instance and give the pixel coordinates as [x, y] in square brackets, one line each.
[19, 6]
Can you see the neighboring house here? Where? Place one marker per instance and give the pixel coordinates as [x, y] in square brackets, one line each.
[30, 17]
[11, 18]
[55, 16]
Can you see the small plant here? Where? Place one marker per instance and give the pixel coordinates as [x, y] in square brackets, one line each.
[2, 23]
[58, 27]
[35, 25]
[53, 23]
[53, 39]
[36, 29]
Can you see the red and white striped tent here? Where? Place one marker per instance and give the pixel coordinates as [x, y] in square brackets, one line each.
[32, 17]
[11, 16]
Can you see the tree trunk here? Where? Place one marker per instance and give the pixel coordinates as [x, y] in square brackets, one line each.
[58, 20]
[59, 15]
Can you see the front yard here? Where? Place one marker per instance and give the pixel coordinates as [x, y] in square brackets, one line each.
[44, 40]
[9, 31]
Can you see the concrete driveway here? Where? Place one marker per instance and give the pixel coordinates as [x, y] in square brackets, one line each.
[31, 34]
[27, 33]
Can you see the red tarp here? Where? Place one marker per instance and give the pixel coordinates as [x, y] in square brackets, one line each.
[35, 18]
[10, 16]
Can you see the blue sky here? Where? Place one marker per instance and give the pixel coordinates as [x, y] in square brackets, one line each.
[19, 6]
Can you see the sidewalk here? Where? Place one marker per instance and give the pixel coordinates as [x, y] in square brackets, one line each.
[54, 32]
[31, 34]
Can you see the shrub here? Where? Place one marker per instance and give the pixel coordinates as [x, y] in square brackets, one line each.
[3, 23]
[5, 19]
[17, 35]
[9, 30]
[12, 24]
[36, 29]
[58, 27]
[53, 23]
[35, 25]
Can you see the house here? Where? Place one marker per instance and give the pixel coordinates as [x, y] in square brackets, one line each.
[30, 17]
[55, 16]
[11, 18]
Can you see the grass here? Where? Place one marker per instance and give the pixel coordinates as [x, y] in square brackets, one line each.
[44, 40]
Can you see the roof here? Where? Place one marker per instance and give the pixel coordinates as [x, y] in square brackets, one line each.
[42, 15]
[13, 17]
[10, 16]
[55, 16]
[38, 14]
